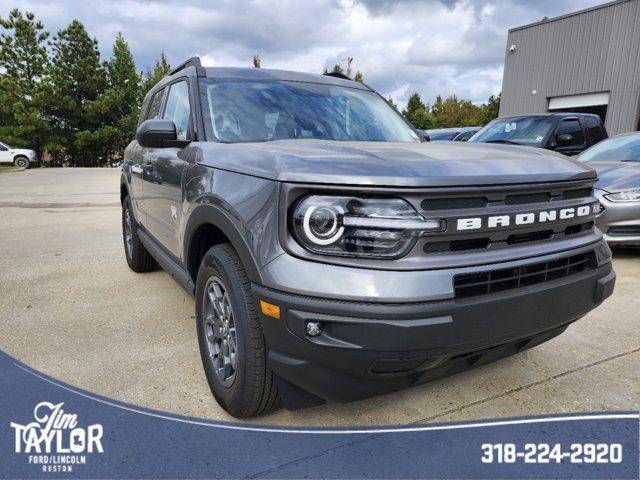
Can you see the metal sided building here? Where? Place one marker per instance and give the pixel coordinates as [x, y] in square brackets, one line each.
[587, 61]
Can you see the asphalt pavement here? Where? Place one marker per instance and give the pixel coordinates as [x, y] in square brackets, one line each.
[71, 308]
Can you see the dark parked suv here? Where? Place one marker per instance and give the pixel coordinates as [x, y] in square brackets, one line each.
[333, 254]
[566, 133]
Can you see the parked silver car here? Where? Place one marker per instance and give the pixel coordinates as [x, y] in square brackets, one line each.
[617, 161]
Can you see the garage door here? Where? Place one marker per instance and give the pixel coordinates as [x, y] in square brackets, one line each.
[574, 101]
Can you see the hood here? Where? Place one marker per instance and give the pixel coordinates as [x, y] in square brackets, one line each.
[393, 163]
[617, 176]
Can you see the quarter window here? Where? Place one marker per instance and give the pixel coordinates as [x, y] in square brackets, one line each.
[178, 109]
[572, 127]
[3, 148]
[156, 103]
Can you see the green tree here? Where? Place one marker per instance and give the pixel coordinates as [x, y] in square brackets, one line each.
[413, 105]
[23, 59]
[256, 61]
[491, 109]
[453, 112]
[154, 75]
[422, 119]
[358, 77]
[114, 113]
[76, 78]
[418, 113]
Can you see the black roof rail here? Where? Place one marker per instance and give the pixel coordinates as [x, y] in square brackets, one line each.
[338, 75]
[192, 62]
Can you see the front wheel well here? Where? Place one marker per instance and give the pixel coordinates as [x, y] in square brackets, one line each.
[205, 237]
[124, 193]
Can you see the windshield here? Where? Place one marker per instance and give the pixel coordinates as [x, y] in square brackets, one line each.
[616, 149]
[448, 135]
[259, 111]
[528, 131]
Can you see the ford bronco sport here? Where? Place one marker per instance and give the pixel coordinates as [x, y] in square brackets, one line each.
[332, 253]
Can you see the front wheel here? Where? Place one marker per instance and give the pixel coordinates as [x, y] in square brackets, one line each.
[21, 162]
[230, 337]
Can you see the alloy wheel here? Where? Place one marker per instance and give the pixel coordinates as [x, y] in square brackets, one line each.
[220, 331]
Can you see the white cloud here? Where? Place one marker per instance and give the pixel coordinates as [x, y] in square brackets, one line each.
[431, 46]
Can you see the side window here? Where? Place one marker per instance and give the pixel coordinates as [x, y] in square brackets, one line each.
[3, 148]
[178, 110]
[594, 129]
[571, 126]
[156, 103]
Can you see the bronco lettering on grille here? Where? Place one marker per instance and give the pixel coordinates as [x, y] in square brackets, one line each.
[526, 218]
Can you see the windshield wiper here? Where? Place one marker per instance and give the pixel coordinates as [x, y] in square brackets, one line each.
[506, 142]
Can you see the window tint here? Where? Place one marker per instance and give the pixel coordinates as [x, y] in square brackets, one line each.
[595, 131]
[571, 126]
[177, 108]
[156, 103]
[3, 148]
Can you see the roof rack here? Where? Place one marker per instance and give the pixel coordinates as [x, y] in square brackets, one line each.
[192, 62]
[338, 75]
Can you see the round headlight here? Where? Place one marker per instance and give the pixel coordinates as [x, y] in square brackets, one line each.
[321, 224]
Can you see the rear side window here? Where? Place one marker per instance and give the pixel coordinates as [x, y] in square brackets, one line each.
[156, 103]
[572, 126]
[594, 129]
[178, 109]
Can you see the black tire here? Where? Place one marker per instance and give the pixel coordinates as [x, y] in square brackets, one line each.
[21, 162]
[253, 390]
[138, 258]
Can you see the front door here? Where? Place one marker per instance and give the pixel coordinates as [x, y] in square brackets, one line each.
[141, 160]
[5, 154]
[573, 127]
[162, 180]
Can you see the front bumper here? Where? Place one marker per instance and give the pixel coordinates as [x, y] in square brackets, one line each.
[370, 348]
[619, 221]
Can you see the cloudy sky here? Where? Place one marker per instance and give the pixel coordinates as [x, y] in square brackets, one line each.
[430, 46]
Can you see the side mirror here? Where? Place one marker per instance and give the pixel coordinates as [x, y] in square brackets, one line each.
[426, 137]
[564, 139]
[159, 133]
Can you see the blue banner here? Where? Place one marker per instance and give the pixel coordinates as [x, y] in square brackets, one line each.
[51, 430]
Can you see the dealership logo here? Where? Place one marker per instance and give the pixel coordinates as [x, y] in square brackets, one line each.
[55, 441]
[528, 218]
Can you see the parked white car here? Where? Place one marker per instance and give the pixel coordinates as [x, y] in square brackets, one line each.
[20, 157]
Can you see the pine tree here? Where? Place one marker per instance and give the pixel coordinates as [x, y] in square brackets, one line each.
[413, 105]
[114, 113]
[358, 77]
[76, 78]
[256, 61]
[23, 57]
[153, 76]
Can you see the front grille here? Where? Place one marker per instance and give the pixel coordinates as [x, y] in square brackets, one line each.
[497, 200]
[492, 281]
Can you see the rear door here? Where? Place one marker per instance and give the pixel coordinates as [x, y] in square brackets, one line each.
[163, 177]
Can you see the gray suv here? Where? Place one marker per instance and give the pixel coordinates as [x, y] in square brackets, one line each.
[332, 253]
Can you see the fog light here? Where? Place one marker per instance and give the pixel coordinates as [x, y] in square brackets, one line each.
[314, 329]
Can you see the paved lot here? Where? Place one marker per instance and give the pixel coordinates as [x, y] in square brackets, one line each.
[70, 307]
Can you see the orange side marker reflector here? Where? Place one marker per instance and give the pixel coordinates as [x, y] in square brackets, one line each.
[270, 310]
